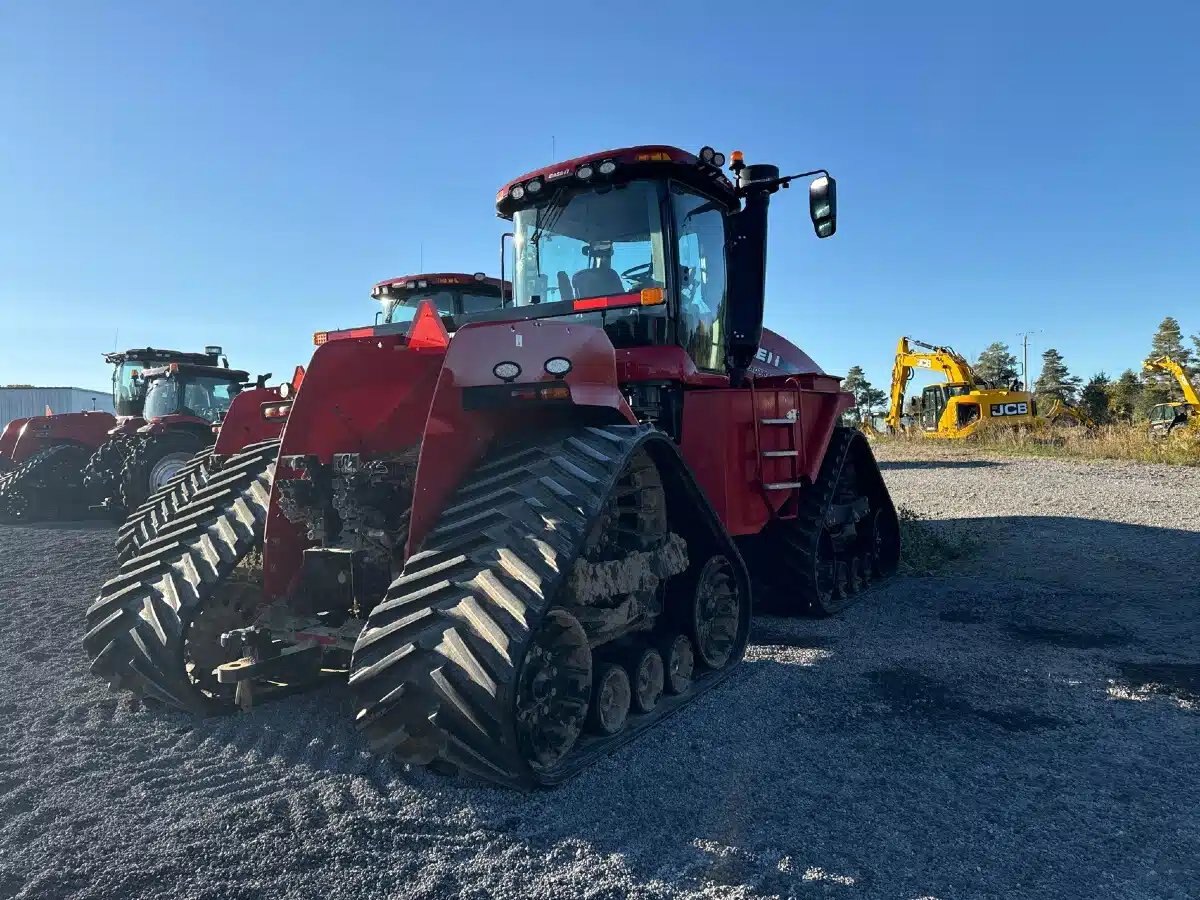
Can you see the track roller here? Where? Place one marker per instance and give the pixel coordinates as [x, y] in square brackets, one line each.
[647, 677]
[678, 663]
[611, 700]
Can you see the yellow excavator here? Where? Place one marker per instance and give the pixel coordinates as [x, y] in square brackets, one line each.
[1166, 418]
[957, 407]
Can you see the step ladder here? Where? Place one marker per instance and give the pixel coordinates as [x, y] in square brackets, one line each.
[791, 424]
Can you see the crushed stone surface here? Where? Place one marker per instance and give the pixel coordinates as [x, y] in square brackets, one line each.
[1026, 723]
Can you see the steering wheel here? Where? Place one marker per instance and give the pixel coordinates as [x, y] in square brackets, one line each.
[640, 275]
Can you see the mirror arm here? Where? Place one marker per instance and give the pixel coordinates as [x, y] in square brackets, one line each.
[774, 184]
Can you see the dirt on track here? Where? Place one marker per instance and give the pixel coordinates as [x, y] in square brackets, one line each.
[1026, 723]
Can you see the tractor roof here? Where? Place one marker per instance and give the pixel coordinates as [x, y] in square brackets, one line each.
[205, 371]
[152, 355]
[438, 279]
[643, 161]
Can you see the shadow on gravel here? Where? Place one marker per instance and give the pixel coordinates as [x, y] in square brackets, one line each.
[72, 525]
[1069, 640]
[939, 464]
[908, 694]
[766, 633]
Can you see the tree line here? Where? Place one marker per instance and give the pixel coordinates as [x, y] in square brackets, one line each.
[1127, 398]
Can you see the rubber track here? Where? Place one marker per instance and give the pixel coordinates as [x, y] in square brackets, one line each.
[798, 537]
[145, 522]
[29, 474]
[436, 666]
[135, 627]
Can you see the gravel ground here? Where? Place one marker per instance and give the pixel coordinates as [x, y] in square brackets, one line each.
[1025, 725]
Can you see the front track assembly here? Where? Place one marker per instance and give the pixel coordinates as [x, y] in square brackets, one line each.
[488, 657]
[151, 628]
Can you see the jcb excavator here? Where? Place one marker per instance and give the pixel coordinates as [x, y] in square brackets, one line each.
[956, 408]
[1166, 418]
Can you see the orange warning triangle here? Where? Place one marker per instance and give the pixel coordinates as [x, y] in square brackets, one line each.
[428, 332]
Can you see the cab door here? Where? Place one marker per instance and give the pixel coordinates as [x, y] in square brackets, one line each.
[933, 404]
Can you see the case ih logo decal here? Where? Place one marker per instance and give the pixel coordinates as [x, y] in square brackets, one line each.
[1010, 409]
[771, 359]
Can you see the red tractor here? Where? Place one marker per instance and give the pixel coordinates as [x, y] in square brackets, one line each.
[57, 464]
[257, 415]
[531, 541]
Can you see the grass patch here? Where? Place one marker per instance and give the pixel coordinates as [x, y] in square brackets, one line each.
[1127, 442]
[928, 547]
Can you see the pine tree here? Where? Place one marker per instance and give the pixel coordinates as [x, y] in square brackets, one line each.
[1124, 395]
[1095, 396]
[1168, 341]
[853, 384]
[866, 397]
[997, 365]
[1055, 382]
[1153, 393]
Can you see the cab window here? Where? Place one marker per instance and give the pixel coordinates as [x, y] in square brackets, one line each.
[700, 276]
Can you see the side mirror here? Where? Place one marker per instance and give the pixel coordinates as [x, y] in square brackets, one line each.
[822, 205]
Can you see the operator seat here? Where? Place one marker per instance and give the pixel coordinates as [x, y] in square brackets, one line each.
[600, 282]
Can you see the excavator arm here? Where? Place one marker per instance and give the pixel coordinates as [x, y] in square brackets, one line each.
[935, 359]
[1168, 365]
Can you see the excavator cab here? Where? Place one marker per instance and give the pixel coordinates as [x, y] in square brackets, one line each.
[1165, 417]
[936, 397]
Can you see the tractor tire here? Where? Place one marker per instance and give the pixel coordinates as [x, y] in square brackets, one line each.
[808, 565]
[153, 462]
[476, 661]
[141, 526]
[142, 631]
[48, 485]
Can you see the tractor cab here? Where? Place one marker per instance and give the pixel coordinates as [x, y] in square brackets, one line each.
[129, 388]
[655, 245]
[452, 294]
[195, 391]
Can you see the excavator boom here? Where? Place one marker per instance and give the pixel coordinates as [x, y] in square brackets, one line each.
[1171, 367]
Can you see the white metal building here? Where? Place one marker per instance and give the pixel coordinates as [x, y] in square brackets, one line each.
[22, 402]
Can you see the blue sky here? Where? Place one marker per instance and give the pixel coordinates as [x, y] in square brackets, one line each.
[240, 173]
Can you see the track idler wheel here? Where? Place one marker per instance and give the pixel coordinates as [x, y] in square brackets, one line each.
[553, 689]
[648, 679]
[715, 612]
[611, 700]
[885, 543]
[678, 663]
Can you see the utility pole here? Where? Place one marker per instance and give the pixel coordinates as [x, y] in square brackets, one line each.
[1024, 335]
